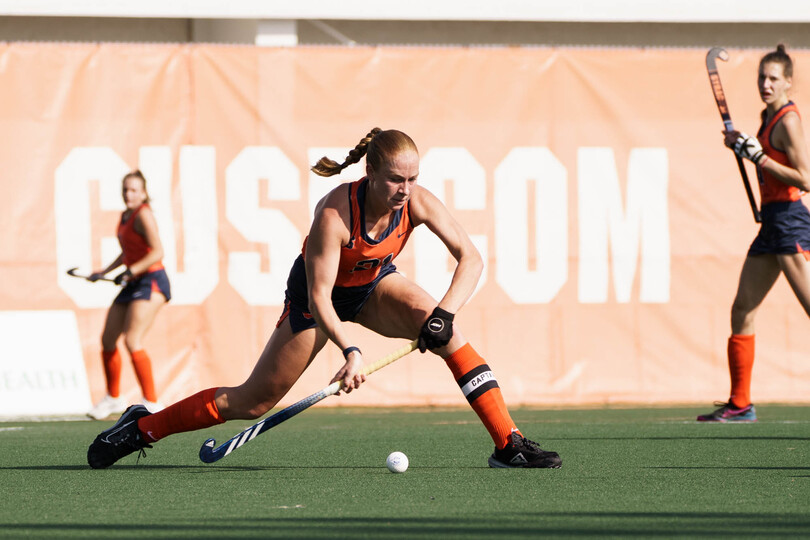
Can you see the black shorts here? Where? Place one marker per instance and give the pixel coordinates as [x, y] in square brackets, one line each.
[142, 287]
[347, 301]
[785, 230]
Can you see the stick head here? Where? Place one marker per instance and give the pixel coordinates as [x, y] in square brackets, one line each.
[207, 453]
[712, 56]
[72, 271]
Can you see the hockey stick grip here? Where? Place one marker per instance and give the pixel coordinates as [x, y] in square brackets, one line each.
[394, 356]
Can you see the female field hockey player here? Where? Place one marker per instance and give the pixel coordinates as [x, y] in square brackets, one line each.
[146, 290]
[346, 273]
[783, 243]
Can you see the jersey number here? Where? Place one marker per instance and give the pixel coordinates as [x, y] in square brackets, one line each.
[371, 264]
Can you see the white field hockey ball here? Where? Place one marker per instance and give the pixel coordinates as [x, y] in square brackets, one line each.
[397, 462]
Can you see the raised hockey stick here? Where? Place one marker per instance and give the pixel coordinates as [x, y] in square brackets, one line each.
[72, 272]
[210, 454]
[720, 97]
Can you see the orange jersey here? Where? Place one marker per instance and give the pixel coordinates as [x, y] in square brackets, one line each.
[770, 188]
[363, 257]
[133, 245]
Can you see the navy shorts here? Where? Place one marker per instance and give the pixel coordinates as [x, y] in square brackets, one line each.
[347, 301]
[142, 287]
[785, 230]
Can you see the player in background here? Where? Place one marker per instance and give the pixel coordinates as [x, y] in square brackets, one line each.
[146, 290]
[783, 243]
[346, 273]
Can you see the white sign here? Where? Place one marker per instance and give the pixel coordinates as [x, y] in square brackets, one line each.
[41, 370]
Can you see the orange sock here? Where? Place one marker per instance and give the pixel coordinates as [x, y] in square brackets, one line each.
[112, 371]
[143, 371]
[195, 412]
[482, 392]
[740, 365]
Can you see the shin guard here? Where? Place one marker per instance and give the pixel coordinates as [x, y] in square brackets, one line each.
[195, 412]
[481, 389]
[740, 366]
[143, 371]
[111, 361]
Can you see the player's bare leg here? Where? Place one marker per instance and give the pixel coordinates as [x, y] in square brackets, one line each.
[113, 326]
[139, 318]
[797, 271]
[759, 273]
[284, 359]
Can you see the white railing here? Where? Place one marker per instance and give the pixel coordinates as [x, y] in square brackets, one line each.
[754, 11]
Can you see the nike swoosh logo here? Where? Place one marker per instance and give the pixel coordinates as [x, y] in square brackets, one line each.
[106, 437]
[401, 235]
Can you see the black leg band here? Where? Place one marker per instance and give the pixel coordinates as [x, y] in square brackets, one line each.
[476, 382]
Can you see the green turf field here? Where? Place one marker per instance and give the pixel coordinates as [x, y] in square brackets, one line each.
[635, 473]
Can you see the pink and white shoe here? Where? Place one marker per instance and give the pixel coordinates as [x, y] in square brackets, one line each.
[729, 413]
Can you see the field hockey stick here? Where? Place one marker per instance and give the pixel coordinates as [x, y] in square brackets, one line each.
[720, 97]
[72, 272]
[209, 454]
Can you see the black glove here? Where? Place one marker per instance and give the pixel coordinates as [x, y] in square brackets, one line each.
[123, 278]
[437, 330]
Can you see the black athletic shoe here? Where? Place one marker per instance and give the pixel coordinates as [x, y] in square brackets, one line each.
[523, 453]
[120, 440]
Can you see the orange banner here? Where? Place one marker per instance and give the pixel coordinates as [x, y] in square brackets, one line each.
[612, 220]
